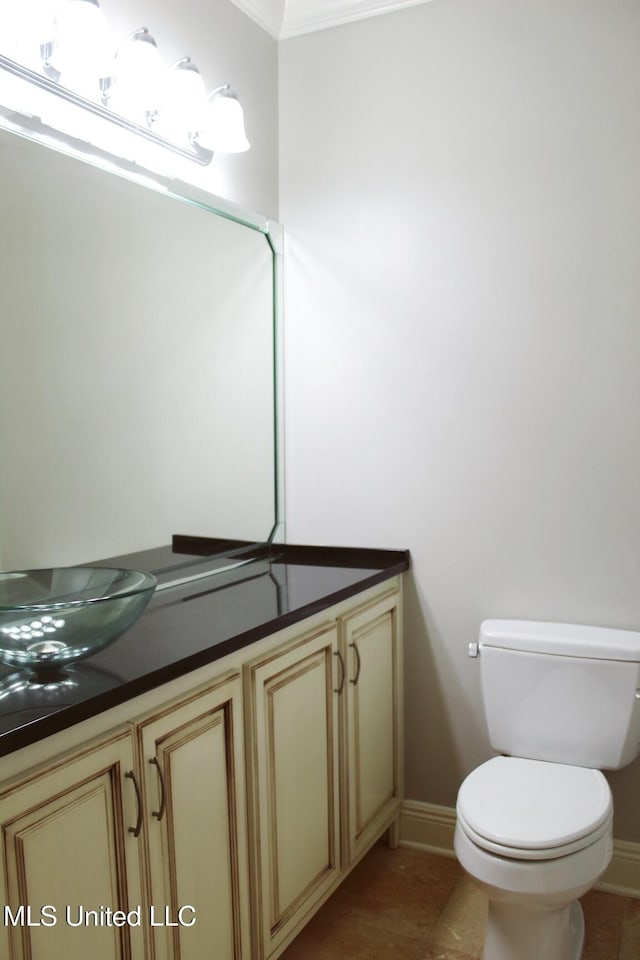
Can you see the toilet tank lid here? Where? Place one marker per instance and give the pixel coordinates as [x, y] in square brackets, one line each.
[561, 639]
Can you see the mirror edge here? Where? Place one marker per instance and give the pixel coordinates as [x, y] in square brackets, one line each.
[276, 238]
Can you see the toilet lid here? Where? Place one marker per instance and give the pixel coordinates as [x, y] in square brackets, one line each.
[532, 805]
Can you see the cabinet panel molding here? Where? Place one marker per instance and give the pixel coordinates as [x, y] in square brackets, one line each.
[292, 736]
[372, 723]
[193, 760]
[66, 847]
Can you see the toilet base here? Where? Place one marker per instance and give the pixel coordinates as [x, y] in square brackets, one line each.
[516, 934]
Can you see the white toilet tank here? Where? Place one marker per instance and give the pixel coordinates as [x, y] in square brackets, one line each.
[560, 692]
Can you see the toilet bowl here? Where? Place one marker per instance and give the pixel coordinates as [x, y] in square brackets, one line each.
[535, 836]
[562, 703]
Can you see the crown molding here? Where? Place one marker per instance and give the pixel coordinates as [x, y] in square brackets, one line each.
[268, 14]
[283, 19]
[307, 16]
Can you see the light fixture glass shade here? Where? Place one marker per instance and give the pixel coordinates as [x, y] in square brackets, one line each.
[223, 131]
[136, 83]
[184, 101]
[24, 28]
[82, 46]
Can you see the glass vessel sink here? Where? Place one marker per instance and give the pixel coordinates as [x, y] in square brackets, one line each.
[49, 619]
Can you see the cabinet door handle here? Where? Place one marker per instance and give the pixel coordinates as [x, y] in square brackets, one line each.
[158, 814]
[130, 775]
[358, 664]
[342, 671]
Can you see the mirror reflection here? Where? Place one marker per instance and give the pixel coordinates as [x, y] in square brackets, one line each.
[136, 365]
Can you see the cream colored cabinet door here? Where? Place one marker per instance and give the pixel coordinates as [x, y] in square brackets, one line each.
[372, 733]
[195, 821]
[292, 729]
[71, 858]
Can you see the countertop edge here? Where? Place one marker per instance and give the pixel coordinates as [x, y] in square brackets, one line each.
[386, 564]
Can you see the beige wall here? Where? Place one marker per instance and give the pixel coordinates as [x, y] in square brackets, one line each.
[459, 183]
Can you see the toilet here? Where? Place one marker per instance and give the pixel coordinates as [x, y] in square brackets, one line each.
[534, 825]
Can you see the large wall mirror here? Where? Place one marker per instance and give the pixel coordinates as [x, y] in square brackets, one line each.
[137, 376]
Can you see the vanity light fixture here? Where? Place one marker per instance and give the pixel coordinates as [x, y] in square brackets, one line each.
[126, 83]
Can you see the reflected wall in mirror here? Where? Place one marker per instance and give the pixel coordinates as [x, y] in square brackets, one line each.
[137, 374]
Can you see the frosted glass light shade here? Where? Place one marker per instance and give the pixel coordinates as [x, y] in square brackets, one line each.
[81, 43]
[183, 103]
[137, 76]
[24, 27]
[224, 127]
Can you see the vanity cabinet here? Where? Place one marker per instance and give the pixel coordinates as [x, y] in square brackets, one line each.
[325, 772]
[240, 795]
[191, 755]
[69, 847]
[293, 760]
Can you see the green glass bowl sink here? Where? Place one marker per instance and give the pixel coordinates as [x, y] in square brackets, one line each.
[50, 619]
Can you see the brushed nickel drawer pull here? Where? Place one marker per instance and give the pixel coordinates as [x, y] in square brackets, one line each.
[342, 671]
[158, 814]
[138, 827]
[358, 664]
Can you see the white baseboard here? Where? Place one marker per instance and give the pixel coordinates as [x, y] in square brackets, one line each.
[623, 873]
[427, 826]
[431, 827]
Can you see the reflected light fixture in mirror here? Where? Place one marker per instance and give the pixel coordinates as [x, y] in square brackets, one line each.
[81, 62]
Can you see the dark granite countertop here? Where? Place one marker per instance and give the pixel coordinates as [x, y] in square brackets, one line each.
[189, 625]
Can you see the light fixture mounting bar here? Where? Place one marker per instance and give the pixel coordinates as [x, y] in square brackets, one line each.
[196, 153]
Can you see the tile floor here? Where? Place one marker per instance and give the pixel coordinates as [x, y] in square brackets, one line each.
[406, 904]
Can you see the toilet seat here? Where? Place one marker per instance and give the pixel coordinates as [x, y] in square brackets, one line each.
[546, 853]
[532, 809]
